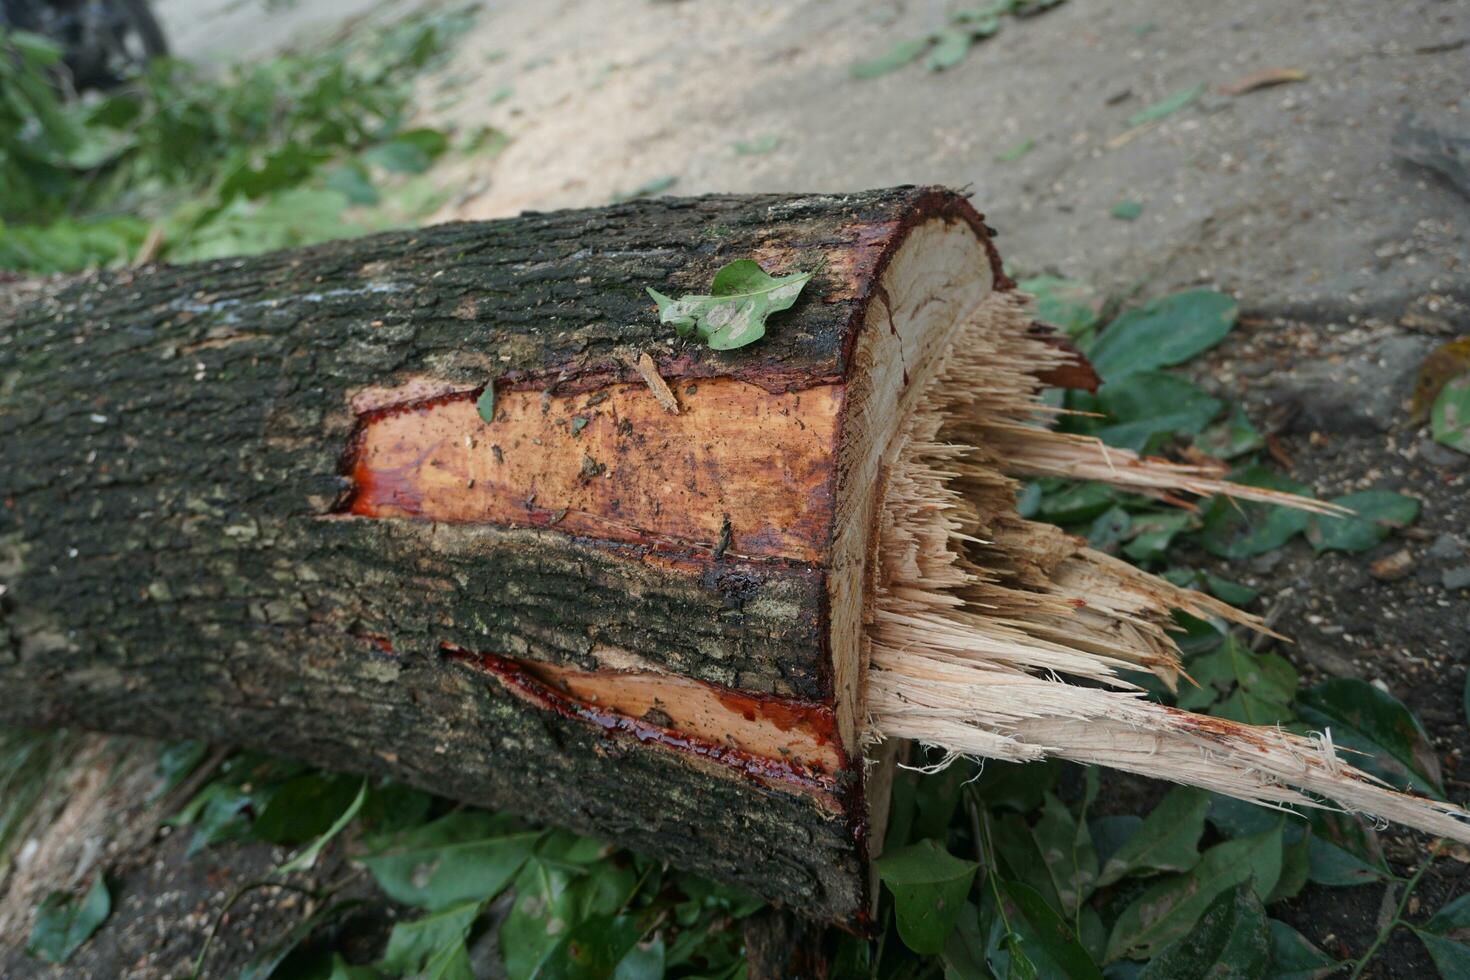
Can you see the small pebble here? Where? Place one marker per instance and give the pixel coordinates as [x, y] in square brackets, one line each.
[1456, 578]
[1446, 546]
[1442, 456]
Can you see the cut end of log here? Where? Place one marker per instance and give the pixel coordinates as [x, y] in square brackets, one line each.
[984, 623]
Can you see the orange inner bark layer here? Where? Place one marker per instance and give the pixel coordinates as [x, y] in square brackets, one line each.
[740, 469]
[786, 743]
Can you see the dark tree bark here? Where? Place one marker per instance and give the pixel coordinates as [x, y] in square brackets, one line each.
[251, 501]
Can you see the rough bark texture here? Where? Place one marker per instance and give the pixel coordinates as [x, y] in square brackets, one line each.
[176, 559]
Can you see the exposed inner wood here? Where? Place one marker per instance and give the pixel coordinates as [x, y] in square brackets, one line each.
[937, 278]
[739, 468]
[984, 622]
[799, 733]
[783, 744]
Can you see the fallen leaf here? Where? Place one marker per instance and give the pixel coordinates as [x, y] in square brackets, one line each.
[1446, 361]
[1392, 567]
[1166, 106]
[757, 146]
[1017, 151]
[1127, 210]
[1450, 417]
[648, 189]
[1265, 78]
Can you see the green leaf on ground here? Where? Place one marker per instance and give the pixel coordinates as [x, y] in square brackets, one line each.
[1230, 942]
[1231, 437]
[279, 956]
[649, 188]
[1167, 840]
[734, 314]
[1375, 514]
[1127, 210]
[1241, 685]
[1046, 938]
[1154, 532]
[1146, 407]
[1242, 529]
[1169, 909]
[594, 949]
[1453, 920]
[309, 854]
[893, 59]
[467, 855]
[1166, 106]
[1450, 417]
[949, 49]
[1370, 720]
[307, 806]
[929, 886]
[757, 146]
[1451, 958]
[1065, 303]
[1293, 957]
[64, 922]
[414, 944]
[1016, 151]
[1162, 333]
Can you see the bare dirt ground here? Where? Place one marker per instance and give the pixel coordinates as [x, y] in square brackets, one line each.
[1349, 263]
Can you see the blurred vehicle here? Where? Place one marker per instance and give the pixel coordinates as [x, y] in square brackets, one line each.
[103, 41]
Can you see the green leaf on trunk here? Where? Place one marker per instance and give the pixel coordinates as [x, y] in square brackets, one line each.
[485, 404]
[734, 314]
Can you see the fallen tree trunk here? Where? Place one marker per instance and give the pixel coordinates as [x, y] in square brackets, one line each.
[259, 501]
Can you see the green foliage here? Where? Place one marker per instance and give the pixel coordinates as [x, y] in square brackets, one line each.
[64, 922]
[1162, 333]
[285, 152]
[1168, 910]
[928, 885]
[1375, 514]
[1229, 942]
[649, 188]
[1127, 210]
[1166, 106]
[470, 855]
[947, 46]
[1450, 416]
[758, 146]
[1369, 720]
[742, 296]
[1166, 841]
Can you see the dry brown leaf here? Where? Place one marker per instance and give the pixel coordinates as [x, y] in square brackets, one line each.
[1265, 78]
